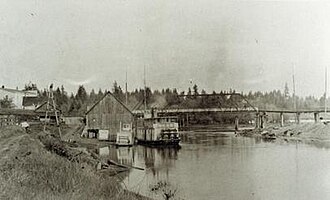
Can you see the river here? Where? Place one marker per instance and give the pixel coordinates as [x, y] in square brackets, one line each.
[214, 165]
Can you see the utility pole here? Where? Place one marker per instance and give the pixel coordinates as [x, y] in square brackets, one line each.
[294, 89]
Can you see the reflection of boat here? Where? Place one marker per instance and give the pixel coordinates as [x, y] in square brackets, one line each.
[268, 136]
[158, 131]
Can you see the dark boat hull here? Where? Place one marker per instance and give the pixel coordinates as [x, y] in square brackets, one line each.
[160, 143]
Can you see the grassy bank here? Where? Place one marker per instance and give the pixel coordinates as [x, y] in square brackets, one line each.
[31, 169]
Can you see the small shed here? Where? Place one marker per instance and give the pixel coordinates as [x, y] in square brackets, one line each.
[41, 112]
[108, 117]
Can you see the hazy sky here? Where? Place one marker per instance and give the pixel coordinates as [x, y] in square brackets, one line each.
[245, 45]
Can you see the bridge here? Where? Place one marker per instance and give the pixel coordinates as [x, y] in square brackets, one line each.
[229, 103]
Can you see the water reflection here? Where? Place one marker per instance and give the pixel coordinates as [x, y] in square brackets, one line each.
[122, 155]
[222, 166]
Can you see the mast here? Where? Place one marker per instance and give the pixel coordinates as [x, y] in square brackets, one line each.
[126, 95]
[325, 89]
[294, 89]
[145, 88]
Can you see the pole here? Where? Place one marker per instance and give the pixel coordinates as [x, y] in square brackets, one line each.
[47, 107]
[294, 92]
[126, 95]
[145, 88]
[294, 89]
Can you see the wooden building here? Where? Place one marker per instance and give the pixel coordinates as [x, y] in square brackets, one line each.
[17, 96]
[108, 117]
[10, 117]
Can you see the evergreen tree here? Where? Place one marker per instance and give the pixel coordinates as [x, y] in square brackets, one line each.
[6, 102]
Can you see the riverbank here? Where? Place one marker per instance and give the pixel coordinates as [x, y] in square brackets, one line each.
[37, 165]
[306, 131]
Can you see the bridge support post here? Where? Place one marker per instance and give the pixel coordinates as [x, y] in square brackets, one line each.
[257, 120]
[282, 119]
[236, 123]
[298, 117]
[263, 120]
[316, 117]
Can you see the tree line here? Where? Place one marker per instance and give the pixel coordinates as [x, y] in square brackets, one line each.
[75, 104]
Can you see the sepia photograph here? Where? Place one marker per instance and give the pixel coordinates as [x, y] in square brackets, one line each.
[164, 99]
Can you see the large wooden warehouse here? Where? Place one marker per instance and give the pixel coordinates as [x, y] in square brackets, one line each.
[108, 117]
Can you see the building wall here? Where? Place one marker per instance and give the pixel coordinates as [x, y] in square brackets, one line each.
[108, 114]
[6, 120]
[73, 120]
[17, 96]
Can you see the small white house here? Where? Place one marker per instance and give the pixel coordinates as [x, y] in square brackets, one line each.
[17, 96]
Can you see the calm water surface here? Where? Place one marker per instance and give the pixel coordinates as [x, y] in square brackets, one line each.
[222, 166]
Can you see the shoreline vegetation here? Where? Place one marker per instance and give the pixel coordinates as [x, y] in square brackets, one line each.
[38, 165]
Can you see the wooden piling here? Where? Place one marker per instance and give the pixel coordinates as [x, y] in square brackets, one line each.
[316, 117]
[262, 121]
[236, 123]
[298, 117]
[257, 120]
[282, 119]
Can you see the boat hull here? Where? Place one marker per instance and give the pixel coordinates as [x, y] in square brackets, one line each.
[160, 143]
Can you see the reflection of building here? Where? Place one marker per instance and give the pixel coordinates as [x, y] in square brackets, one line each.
[122, 155]
[157, 159]
[107, 117]
[21, 99]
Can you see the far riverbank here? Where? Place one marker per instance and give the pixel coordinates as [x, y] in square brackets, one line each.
[319, 131]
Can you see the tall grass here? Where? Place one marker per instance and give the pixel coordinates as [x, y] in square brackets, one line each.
[29, 171]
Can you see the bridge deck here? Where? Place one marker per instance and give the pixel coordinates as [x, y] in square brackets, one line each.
[226, 110]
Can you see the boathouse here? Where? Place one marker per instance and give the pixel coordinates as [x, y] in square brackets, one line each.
[108, 117]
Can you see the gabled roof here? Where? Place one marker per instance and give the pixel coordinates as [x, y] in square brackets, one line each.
[38, 109]
[106, 94]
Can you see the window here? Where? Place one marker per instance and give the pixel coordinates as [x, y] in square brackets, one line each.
[126, 127]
